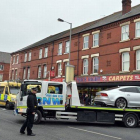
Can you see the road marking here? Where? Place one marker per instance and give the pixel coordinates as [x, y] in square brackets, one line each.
[95, 133]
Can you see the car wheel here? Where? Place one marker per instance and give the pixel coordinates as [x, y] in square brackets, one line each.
[130, 121]
[37, 117]
[121, 103]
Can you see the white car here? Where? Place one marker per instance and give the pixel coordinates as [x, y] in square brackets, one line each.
[120, 97]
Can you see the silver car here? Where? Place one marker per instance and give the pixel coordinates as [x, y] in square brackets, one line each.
[120, 97]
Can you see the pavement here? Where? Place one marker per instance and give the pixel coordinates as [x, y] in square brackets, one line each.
[63, 130]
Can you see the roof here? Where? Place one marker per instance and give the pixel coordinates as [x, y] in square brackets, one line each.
[5, 57]
[88, 26]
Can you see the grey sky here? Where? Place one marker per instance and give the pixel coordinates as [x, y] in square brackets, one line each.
[24, 22]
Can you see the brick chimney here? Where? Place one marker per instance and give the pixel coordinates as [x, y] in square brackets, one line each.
[126, 6]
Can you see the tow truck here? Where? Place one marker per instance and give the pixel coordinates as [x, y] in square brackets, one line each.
[60, 100]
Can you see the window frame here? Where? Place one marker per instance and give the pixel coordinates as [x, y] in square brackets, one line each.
[67, 47]
[46, 52]
[138, 51]
[39, 72]
[60, 49]
[40, 53]
[137, 29]
[95, 40]
[125, 61]
[93, 59]
[127, 25]
[85, 66]
[84, 42]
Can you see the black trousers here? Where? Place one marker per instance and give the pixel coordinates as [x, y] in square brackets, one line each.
[28, 123]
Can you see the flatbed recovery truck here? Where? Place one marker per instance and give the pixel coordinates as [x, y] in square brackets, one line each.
[60, 100]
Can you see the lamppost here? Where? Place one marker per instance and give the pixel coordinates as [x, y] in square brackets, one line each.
[61, 20]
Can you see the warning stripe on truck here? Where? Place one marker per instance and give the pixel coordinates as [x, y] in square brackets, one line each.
[106, 108]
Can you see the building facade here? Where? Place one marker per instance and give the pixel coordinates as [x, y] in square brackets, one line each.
[4, 66]
[104, 51]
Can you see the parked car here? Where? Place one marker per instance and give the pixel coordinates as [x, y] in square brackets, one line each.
[120, 97]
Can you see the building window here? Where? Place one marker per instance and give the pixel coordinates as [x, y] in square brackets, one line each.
[24, 73]
[60, 49]
[138, 60]
[1, 77]
[39, 72]
[17, 58]
[40, 53]
[66, 63]
[85, 45]
[25, 57]
[28, 73]
[125, 61]
[59, 69]
[16, 74]
[46, 52]
[30, 55]
[45, 71]
[67, 47]
[95, 39]
[85, 66]
[125, 32]
[95, 64]
[13, 59]
[138, 29]
[12, 74]
[1, 67]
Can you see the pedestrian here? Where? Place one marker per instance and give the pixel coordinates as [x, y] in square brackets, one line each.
[87, 100]
[31, 108]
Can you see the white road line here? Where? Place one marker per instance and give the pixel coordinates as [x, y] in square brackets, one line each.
[95, 133]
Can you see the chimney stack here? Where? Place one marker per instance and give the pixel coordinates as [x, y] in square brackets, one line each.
[126, 6]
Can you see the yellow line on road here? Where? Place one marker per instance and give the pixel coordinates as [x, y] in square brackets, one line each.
[95, 133]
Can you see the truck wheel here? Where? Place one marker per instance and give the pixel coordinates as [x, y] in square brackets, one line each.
[37, 117]
[130, 121]
[8, 105]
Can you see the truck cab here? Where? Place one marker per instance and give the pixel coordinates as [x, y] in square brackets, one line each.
[8, 92]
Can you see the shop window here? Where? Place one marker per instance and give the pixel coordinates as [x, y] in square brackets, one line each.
[125, 61]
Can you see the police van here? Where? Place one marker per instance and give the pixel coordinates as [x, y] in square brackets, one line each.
[8, 92]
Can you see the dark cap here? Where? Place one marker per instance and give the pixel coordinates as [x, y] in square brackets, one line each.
[34, 89]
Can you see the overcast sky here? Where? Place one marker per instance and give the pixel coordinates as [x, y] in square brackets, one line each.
[24, 22]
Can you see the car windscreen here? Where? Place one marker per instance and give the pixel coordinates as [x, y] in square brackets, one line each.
[14, 90]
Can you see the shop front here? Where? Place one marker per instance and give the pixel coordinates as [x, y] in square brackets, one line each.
[92, 84]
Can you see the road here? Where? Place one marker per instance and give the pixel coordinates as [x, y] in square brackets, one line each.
[63, 130]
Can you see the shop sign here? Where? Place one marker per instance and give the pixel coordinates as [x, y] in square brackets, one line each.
[52, 73]
[116, 78]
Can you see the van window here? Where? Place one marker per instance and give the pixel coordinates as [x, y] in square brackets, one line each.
[55, 88]
[1, 89]
[14, 90]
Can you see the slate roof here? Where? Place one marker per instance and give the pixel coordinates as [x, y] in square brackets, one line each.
[5, 57]
[88, 26]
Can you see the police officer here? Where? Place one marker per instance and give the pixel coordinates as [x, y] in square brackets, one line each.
[31, 108]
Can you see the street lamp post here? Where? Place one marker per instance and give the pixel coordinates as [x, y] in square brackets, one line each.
[61, 20]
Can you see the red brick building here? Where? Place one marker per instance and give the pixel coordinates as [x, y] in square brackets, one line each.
[104, 52]
[4, 65]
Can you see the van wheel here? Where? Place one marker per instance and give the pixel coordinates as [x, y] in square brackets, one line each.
[130, 121]
[8, 105]
[37, 117]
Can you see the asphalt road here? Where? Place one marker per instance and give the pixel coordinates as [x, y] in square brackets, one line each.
[63, 130]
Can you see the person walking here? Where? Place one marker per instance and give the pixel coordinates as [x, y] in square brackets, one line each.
[31, 108]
